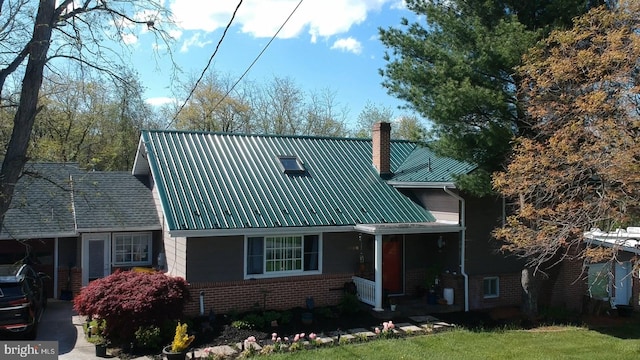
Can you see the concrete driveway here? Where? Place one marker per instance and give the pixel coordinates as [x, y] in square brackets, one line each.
[60, 323]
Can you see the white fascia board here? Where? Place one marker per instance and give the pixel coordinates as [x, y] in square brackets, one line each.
[259, 231]
[421, 185]
[384, 229]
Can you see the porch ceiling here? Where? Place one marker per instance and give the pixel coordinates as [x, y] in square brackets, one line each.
[408, 228]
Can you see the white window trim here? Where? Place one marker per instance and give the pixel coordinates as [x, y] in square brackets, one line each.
[114, 237]
[491, 296]
[281, 274]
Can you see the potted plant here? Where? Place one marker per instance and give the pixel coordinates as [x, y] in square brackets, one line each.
[392, 303]
[94, 331]
[180, 344]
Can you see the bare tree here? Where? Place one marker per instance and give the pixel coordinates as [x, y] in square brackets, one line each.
[38, 35]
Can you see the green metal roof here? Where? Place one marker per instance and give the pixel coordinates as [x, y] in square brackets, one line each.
[423, 165]
[228, 181]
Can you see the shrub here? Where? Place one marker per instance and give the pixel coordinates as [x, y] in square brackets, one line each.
[256, 320]
[349, 304]
[128, 300]
[148, 337]
[242, 325]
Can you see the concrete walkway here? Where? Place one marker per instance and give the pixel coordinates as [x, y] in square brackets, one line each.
[60, 323]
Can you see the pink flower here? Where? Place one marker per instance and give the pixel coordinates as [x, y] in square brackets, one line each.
[377, 330]
[296, 338]
[286, 338]
[385, 326]
[279, 339]
[274, 335]
[312, 336]
[301, 335]
[251, 339]
[391, 325]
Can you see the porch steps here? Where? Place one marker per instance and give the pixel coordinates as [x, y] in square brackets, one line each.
[418, 325]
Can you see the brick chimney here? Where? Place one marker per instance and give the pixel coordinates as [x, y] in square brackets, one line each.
[381, 137]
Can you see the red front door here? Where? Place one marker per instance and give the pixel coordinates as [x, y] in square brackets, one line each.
[392, 264]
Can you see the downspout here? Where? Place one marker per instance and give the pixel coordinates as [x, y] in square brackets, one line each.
[462, 246]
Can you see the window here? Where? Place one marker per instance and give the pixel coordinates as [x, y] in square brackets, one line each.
[291, 164]
[491, 287]
[599, 281]
[282, 255]
[131, 249]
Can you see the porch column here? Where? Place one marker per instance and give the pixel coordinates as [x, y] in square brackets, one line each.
[378, 272]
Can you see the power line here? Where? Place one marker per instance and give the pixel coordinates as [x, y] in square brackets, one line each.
[254, 60]
[202, 74]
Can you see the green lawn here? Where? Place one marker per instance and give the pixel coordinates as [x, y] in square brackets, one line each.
[549, 343]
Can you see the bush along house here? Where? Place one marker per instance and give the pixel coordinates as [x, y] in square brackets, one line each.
[76, 226]
[271, 221]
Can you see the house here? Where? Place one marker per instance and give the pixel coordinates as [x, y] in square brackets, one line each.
[271, 221]
[76, 226]
[615, 282]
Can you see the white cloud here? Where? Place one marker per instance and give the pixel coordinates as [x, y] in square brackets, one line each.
[262, 18]
[159, 101]
[348, 44]
[194, 40]
[129, 39]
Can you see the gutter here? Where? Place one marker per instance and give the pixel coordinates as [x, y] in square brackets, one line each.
[462, 245]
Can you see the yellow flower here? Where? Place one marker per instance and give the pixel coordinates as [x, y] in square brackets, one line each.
[181, 340]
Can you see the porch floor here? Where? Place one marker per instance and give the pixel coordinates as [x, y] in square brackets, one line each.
[411, 306]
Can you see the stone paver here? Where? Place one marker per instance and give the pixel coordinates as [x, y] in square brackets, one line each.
[362, 332]
[409, 328]
[222, 350]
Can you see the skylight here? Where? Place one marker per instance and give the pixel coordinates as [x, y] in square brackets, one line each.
[291, 164]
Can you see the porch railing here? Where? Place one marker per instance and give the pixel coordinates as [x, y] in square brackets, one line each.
[366, 290]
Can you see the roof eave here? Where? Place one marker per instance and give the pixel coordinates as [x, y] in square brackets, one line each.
[395, 229]
[39, 236]
[422, 185]
[259, 231]
[120, 229]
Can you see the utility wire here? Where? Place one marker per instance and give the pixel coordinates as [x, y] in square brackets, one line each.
[202, 74]
[254, 60]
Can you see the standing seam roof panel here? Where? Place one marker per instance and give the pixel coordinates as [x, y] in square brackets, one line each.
[216, 174]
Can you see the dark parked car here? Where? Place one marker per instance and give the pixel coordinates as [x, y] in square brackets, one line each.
[22, 300]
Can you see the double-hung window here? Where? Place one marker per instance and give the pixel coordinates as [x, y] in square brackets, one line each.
[131, 249]
[282, 255]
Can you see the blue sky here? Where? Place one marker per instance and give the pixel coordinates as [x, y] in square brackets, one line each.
[327, 44]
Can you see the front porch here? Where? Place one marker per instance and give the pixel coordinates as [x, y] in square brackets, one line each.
[406, 305]
[398, 264]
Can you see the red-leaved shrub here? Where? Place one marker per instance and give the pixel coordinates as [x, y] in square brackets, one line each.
[130, 299]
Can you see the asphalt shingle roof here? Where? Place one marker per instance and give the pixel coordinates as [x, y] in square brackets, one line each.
[113, 201]
[41, 205]
[59, 200]
[229, 181]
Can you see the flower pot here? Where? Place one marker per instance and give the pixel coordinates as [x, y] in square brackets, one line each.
[101, 350]
[170, 355]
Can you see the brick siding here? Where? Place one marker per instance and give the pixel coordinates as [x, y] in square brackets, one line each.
[271, 294]
[75, 283]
